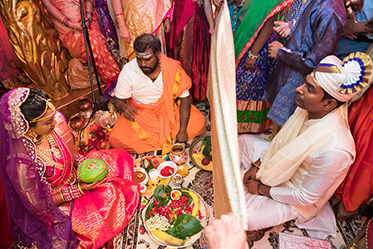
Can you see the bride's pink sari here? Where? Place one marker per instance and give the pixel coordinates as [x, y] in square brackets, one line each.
[99, 214]
[29, 182]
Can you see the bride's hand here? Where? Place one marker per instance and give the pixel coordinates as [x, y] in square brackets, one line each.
[89, 186]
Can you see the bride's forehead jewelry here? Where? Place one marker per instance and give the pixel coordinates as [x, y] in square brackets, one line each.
[48, 105]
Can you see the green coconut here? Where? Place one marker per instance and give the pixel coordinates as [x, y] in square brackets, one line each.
[92, 170]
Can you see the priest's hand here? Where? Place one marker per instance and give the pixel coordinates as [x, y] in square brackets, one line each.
[129, 112]
[182, 136]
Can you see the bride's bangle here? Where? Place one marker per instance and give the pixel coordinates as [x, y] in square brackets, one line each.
[80, 189]
[251, 56]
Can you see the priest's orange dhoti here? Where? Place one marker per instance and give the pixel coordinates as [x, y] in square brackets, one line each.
[157, 125]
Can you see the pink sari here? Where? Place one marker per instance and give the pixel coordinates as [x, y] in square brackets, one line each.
[190, 44]
[102, 213]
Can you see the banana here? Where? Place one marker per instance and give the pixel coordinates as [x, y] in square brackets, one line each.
[168, 238]
[85, 136]
[196, 201]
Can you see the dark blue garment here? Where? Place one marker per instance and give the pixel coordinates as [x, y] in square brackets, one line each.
[313, 37]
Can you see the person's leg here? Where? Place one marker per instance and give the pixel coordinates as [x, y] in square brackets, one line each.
[263, 212]
[251, 148]
[124, 137]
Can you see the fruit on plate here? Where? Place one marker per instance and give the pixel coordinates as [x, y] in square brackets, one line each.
[205, 161]
[171, 216]
[168, 238]
[175, 194]
[94, 128]
[196, 202]
[147, 163]
[182, 170]
[202, 156]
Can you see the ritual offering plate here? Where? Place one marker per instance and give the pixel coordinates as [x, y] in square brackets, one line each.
[92, 170]
[167, 169]
[140, 176]
[175, 217]
[201, 153]
[148, 163]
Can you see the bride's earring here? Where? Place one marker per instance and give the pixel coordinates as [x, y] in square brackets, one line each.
[33, 136]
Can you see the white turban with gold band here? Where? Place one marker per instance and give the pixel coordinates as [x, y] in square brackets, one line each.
[343, 79]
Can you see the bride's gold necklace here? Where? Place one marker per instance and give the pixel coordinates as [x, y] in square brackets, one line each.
[49, 155]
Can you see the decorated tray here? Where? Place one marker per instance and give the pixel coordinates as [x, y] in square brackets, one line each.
[175, 217]
[196, 154]
[148, 163]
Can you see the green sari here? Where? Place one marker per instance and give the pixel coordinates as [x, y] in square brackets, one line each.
[253, 15]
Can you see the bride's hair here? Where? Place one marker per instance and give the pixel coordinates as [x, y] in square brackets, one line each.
[34, 105]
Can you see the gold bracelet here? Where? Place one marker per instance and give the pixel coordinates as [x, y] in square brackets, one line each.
[254, 164]
[63, 198]
[80, 189]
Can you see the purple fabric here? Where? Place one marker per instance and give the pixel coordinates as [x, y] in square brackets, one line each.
[33, 216]
[108, 30]
[110, 91]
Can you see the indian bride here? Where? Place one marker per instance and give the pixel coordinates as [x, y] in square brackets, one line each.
[48, 207]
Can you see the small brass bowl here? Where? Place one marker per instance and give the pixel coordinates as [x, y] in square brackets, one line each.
[76, 122]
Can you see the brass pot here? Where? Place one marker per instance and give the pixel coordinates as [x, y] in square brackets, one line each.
[76, 122]
[85, 107]
[84, 104]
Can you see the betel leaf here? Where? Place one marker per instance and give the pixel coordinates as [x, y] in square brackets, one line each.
[186, 225]
[146, 164]
[150, 208]
[206, 150]
[189, 197]
[162, 194]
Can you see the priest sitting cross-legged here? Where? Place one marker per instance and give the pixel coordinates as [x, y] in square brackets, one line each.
[152, 92]
[307, 160]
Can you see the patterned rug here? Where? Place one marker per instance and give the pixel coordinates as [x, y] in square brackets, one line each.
[201, 182]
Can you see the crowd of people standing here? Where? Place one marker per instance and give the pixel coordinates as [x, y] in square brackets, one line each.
[277, 43]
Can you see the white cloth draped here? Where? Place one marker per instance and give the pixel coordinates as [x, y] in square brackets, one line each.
[228, 188]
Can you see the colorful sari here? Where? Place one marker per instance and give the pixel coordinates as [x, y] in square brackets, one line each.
[250, 84]
[108, 30]
[144, 16]
[73, 40]
[357, 188]
[190, 44]
[29, 182]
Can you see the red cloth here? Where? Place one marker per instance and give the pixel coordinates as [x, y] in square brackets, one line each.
[190, 44]
[357, 187]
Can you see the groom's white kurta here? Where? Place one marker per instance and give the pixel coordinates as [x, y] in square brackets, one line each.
[310, 187]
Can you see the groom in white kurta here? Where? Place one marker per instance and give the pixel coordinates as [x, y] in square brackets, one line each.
[294, 176]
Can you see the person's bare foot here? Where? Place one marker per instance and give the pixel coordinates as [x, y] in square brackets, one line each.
[226, 232]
